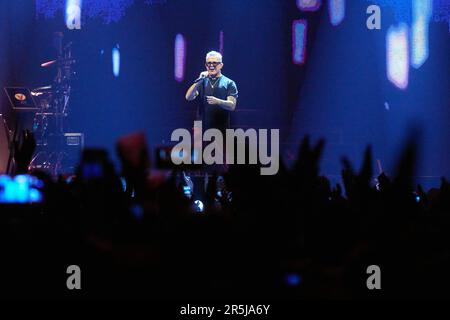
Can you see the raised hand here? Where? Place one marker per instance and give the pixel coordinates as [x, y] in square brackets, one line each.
[357, 185]
[307, 165]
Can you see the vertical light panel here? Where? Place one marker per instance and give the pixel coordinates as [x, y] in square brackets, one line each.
[180, 57]
[116, 61]
[309, 5]
[398, 55]
[336, 9]
[422, 12]
[73, 14]
[299, 38]
[221, 43]
[299, 32]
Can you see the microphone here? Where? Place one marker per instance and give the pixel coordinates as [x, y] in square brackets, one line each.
[200, 78]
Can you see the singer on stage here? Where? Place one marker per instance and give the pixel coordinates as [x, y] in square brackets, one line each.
[218, 94]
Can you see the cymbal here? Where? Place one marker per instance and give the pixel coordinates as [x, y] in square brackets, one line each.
[46, 88]
[41, 90]
[48, 63]
[62, 61]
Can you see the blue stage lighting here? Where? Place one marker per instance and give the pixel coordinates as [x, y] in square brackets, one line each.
[198, 206]
[20, 189]
[108, 10]
[293, 279]
[336, 9]
[137, 211]
[180, 57]
[116, 61]
[299, 37]
[187, 191]
[309, 5]
[422, 13]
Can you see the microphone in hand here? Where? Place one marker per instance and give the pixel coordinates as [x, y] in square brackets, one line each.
[202, 76]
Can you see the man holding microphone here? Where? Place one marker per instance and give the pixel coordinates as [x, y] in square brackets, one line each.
[217, 98]
[218, 94]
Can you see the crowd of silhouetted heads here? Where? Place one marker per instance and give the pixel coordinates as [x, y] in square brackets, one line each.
[135, 234]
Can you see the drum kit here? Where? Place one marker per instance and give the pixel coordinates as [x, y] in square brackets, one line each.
[50, 120]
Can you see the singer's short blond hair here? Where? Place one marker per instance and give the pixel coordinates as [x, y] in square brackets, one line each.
[216, 54]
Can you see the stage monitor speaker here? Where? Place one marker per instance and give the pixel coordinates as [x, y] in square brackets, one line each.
[4, 145]
[73, 147]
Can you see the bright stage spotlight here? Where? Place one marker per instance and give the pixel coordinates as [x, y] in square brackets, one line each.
[336, 9]
[20, 189]
[398, 55]
[180, 57]
[299, 37]
[73, 14]
[199, 206]
[422, 13]
[309, 5]
[116, 61]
